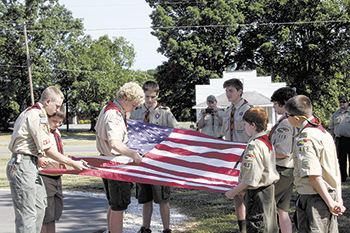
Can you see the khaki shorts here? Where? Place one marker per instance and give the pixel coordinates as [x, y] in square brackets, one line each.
[284, 188]
[148, 192]
[312, 215]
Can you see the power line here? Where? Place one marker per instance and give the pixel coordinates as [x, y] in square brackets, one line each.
[187, 26]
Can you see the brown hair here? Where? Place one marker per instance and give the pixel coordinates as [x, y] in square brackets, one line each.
[299, 105]
[150, 86]
[234, 82]
[258, 116]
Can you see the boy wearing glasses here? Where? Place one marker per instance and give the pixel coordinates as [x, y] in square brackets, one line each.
[316, 170]
[340, 129]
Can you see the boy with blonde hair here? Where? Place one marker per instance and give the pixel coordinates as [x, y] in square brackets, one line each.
[111, 139]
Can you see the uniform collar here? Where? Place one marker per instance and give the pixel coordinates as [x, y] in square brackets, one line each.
[144, 108]
[119, 106]
[239, 104]
[262, 133]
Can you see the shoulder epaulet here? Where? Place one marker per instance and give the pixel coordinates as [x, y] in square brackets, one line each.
[303, 135]
[164, 107]
[138, 107]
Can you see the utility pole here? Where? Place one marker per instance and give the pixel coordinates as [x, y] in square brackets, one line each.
[28, 64]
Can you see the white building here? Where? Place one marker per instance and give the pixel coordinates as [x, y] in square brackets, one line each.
[257, 90]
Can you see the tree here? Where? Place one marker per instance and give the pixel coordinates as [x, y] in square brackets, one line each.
[106, 64]
[302, 42]
[48, 24]
[199, 38]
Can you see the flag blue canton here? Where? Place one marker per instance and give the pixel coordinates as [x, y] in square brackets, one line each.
[144, 136]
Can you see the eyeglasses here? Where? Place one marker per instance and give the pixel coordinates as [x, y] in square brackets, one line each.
[292, 115]
[342, 102]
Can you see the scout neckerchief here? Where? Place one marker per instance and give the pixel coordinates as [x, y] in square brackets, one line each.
[146, 119]
[113, 106]
[232, 119]
[315, 123]
[35, 106]
[59, 144]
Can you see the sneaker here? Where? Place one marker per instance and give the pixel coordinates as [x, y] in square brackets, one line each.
[144, 230]
[167, 230]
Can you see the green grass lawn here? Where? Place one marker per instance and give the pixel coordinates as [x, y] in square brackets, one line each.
[207, 211]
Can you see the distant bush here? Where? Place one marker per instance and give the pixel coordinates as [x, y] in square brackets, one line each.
[84, 122]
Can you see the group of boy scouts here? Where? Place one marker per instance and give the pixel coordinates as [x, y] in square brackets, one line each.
[296, 150]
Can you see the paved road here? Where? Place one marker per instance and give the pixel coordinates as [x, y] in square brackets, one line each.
[86, 213]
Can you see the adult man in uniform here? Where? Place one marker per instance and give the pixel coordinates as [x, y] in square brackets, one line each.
[111, 139]
[30, 140]
[233, 130]
[152, 112]
[340, 129]
[210, 119]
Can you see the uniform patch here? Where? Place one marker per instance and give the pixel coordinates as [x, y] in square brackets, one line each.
[157, 115]
[46, 142]
[251, 146]
[303, 142]
[249, 157]
[43, 121]
[305, 163]
[169, 113]
[247, 165]
[239, 125]
[283, 130]
[241, 113]
[119, 119]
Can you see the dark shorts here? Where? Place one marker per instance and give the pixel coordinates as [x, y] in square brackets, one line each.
[261, 214]
[148, 192]
[53, 186]
[312, 214]
[284, 188]
[118, 193]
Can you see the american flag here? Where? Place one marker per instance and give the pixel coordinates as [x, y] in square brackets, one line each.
[172, 157]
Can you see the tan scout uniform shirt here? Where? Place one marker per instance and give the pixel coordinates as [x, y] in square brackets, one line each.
[31, 134]
[110, 125]
[212, 126]
[340, 123]
[283, 142]
[239, 133]
[158, 115]
[258, 167]
[53, 163]
[315, 154]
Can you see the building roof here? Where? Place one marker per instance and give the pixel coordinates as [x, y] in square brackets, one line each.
[253, 97]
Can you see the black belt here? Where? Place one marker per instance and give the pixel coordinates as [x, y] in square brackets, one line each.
[33, 158]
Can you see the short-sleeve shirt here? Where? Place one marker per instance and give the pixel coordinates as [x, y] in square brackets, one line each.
[315, 154]
[31, 134]
[340, 123]
[258, 167]
[53, 163]
[158, 115]
[282, 140]
[212, 125]
[111, 125]
[239, 133]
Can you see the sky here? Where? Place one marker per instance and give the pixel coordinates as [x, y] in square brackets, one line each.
[115, 18]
